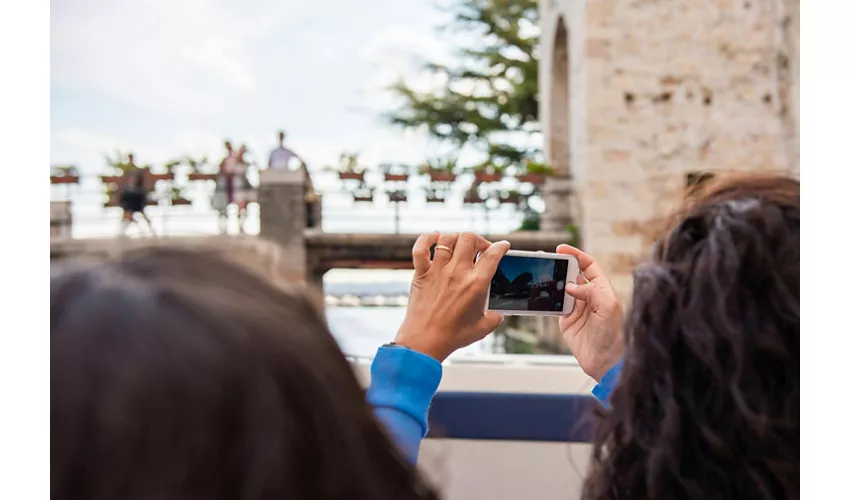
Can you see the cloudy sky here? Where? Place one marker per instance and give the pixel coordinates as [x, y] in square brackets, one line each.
[172, 77]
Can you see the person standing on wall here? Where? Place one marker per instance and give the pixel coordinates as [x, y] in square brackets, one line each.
[244, 192]
[281, 158]
[224, 192]
[134, 196]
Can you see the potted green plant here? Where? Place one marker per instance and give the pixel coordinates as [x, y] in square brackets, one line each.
[434, 195]
[512, 197]
[535, 173]
[395, 173]
[197, 172]
[349, 168]
[397, 196]
[363, 194]
[176, 196]
[441, 170]
[472, 196]
[118, 165]
[487, 172]
[64, 174]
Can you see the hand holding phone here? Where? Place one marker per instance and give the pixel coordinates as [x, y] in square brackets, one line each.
[533, 284]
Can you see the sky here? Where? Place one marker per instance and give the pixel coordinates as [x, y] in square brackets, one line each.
[169, 78]
[540, 269]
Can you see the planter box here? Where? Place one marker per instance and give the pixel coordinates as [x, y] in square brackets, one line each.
[395, 177]
[181, 201]
[472, 200]
[363, 198]
[434, 199]
[511, 199]
[442, 176]
[197, 176]
[117, 203]
[64, 179]
[161, 177]
[110, 179]
[397, 198]
[487, 177]
[536, 179]
[357, 176]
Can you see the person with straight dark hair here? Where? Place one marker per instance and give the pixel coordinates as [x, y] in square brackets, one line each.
[701, 380]
[182, 374]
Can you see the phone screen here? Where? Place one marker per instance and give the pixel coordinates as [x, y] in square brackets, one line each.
[529, 284]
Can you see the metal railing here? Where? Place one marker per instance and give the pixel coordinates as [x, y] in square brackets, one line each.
[340, 213]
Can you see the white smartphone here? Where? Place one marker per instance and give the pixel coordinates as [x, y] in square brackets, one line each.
[533, 284]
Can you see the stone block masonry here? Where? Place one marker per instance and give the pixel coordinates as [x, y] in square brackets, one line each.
[637, 94]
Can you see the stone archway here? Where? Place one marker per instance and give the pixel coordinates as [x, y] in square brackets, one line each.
[558, 139]
[558, 192]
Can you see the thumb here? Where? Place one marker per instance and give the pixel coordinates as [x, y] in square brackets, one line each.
[581, 292]
[490, 321]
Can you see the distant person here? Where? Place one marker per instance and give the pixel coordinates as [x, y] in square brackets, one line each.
[244, 191]
[133, 196]
[701, 379]
[185, 374]
[223, 196]
[281, 158]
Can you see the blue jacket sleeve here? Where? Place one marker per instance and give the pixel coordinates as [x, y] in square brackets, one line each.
[403, 383]
[606, 386]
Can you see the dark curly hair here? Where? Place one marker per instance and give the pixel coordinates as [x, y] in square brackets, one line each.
[708, 403]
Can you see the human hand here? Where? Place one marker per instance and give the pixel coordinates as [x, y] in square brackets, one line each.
[594, 330]
[448, 295]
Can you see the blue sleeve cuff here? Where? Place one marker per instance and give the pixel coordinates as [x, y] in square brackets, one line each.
[404, 380]
[606, 386]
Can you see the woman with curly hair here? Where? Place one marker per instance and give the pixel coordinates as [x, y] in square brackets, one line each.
[701, 381]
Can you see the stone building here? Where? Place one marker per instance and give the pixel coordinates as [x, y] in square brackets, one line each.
[638, 94]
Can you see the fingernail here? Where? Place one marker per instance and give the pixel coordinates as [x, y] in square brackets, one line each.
[504, 242]
[571, 286]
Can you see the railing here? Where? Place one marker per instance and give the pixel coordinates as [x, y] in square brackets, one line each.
[508, 426]
[340, 213]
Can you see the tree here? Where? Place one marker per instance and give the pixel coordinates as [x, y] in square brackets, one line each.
[489, 98]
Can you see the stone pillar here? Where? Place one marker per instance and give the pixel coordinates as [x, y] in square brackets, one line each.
[283, 217]
[561, 207]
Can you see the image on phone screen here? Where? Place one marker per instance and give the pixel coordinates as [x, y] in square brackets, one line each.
[529, 284]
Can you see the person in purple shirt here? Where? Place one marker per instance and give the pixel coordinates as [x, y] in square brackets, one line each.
[701, 378]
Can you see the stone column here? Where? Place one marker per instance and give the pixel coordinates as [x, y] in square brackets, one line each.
[559, 196]
[283, 217]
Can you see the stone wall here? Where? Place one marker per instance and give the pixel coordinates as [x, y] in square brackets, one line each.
[283, 217]
[659, 89]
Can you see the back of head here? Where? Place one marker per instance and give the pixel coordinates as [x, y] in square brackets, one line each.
[708, 403]
[181, 374]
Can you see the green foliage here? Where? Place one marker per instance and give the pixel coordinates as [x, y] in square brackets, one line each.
[491, 94]
[574, 234]
[447, 164]
[348, 162]
[539, 168]
[169, 166]
[65, 170]
[120, 162]
[196, 164]
[530, 221]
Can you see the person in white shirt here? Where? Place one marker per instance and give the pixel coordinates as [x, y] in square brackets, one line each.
[281, 158]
